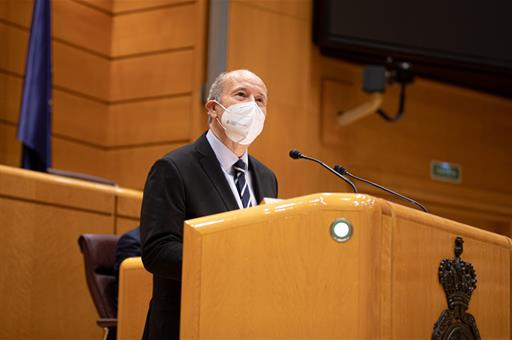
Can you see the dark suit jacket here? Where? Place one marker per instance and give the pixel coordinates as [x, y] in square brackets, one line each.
[128, 245]
[185, 184]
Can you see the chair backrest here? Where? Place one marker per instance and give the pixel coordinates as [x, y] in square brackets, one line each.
[99, 256]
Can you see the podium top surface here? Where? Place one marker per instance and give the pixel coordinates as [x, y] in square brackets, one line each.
[372, 206]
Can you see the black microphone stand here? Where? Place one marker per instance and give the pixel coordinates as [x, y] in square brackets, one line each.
[342, 171]
[295, 154]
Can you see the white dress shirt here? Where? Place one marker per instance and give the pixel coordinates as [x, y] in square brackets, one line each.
[226, 159]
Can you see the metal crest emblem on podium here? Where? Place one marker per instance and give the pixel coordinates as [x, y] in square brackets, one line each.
[458, 279]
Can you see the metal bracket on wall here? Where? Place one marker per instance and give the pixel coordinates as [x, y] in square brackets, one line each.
[365, 109]
[375, 79]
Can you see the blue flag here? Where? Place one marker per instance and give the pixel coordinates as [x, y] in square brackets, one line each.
[35, 121]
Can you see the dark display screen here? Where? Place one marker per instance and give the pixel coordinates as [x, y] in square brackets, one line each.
[463, 42]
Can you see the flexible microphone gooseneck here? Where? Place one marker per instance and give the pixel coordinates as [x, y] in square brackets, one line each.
[296, 154]
[342, 171]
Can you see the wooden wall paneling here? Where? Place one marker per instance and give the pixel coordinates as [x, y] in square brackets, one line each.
[10, 148]
[151, 121]
[124, 6]
[277, 50]
[82, 26]
[77, 156]
[17, 11]
[131, 165]
[433, 128]
[296, 8]
[490, 212]
[80, 72]
[14, 42]
[79, 118]
[339, 96]
[104, 5]
[10, 97]
[158, 75]
[499, 224]
[199, 117]
[74, 116]
[156, 30]
[474, 132]
[286, 128]
[93, 71]
[447, 194]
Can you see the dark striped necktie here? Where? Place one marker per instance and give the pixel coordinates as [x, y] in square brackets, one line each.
[241, 184]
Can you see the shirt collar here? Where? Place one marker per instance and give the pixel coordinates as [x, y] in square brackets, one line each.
[225, 156]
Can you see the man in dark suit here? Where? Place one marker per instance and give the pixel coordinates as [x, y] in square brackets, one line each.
[214, 174]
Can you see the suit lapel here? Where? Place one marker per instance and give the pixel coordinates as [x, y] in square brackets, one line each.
[212, 169]
[256, 180]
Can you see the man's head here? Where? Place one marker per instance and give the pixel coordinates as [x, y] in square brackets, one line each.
[236, 86]
[231, 88]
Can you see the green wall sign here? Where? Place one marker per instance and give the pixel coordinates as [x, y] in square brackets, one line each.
[445, 171]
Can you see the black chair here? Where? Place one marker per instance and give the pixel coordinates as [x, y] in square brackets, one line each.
[99, 256]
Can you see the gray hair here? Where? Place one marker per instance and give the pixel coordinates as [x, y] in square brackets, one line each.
[216, 90]
[217, 87]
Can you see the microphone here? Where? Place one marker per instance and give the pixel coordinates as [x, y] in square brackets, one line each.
[296, 154]
[342, 171]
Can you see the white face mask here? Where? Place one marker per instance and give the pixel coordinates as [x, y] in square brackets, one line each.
[243, 122]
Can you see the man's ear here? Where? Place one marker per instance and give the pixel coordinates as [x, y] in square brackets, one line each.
[211, 107]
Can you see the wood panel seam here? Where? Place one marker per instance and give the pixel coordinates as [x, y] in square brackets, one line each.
[55, 205]
[146, 145]
[117, 147]
[14, 24]
[103, 147]
[81, 48]
[57, 39]
[11, 73]
[102, 101]
[155, 52]
[154, 8]
[92, 6]
[264, 9]
[58, 87]
[149, 98]
[7, 122]
[79, 94]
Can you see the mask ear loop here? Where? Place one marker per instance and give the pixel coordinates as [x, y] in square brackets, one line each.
[218, 121]
[220, 105]
[217, 118]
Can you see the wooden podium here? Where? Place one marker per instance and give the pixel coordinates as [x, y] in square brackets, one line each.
[276, 272]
